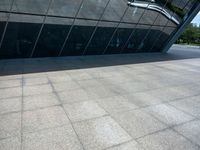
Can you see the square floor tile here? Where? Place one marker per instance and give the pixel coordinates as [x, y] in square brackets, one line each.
[10, 83]
[100, 133]
[190, 130]
[37, 89]
[190, 105]
[166, 94]
[10, 92]
[78, 75]
[166, 140]
[13, 143]
[10, 125]
[59, 78]
[100, 92]
[36, 81]
[10, 105]
[11, 77]
[138, 123]
[44, 118]
[61, 138]
[186, 90]
[40, 101]
[168, 114]
[65, 86]
[89, 83]
[143, 99]
[116, 104]
[72, 96]
[133, 145]
[84, 110]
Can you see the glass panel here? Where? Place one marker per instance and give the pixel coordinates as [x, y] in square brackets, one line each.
[64, 7]
[52, 37]
[162, 39]
[115, 10]
[92, 9]
[151, 38]
[178, 6]
[5, 5]
[133, 14]
[180, 9]
[190, 4]
[20, 36]
[31, 6]
[149, 16]
[134, 44]
[79, 37]
[164, 14]
[3, 19]
[120, 38]
[101, 38]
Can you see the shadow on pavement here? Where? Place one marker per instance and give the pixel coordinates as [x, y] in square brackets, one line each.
[38, 65]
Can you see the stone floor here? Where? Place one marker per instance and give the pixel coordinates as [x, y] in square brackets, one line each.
[118, 102]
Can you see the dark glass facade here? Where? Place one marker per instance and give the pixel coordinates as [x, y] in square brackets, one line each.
[50, 28]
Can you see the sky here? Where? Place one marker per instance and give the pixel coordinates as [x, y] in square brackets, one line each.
[197, 19]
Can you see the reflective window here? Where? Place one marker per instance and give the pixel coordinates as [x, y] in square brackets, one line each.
[79, 37]
[88, 27]
[3, 19]
[101, 38]
[135, 42]
[115, 10]
[162, 39]
[67, 8]
[5, 5]
[31, 6]
[52, 37]
[149, 17]
[92, 9]
[150, 38]
[190, 4]
[120, 38]
[20, 36]
[133, 14]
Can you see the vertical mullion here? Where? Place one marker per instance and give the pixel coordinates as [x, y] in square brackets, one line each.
[70, 30]
[116, 28]
[150, 28]
[165, 27]
[6, 25]
[41, 28]
[133, 31]
[93, 33]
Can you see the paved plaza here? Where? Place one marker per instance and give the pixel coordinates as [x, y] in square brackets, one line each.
[114, 102]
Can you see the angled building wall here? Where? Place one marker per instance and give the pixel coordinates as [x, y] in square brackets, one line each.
[48, 28]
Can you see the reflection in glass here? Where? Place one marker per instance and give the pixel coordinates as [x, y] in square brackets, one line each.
[149, 17]
[92, 9]
[66, 8]
[81, 27]
[3, 19]
[133, 14]
[2, 26]
[31, 6]
[115, 10]
[101, 38]
[20, 37]
[119, 39]
[151, 37]
[134, 43]
[79, 37]
[162, 39]
[52, 37]
[5, 5]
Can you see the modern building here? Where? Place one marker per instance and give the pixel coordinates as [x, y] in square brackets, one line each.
[50, 28]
